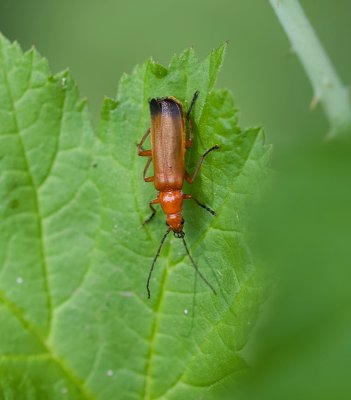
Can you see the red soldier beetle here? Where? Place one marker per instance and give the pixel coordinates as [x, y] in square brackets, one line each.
[168, 146]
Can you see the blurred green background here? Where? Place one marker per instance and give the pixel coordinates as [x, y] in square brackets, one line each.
[302, 235]
[100, 40]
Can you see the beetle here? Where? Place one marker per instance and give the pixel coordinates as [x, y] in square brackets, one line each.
[168, 146]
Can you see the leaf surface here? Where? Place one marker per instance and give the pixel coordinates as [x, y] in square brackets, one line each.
[74, 255]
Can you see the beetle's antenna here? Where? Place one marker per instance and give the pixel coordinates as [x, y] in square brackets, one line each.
[196, 268]
[193, 101]
[154, 262]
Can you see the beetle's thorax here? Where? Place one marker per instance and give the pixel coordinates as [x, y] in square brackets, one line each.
[172, 204]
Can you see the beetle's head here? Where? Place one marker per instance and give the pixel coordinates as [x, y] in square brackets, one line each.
[176, 223]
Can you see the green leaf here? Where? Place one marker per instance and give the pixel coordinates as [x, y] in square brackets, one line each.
[74, 255]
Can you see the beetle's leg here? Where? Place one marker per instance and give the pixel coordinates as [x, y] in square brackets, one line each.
[189, 142]
[153, 209]
[190, 197]
[149, 178]
[190, 179]
[193, 101]
[141, 151]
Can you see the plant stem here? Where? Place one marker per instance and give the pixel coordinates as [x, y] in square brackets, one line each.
[327, 86]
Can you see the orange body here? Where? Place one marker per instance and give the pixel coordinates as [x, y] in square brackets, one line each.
[168, 141]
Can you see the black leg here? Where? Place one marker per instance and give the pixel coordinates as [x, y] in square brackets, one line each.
[190, 197]
[191, 179]
[153, 209]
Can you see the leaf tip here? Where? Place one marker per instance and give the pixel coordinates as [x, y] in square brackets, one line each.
[219, 52]
[157, 69]
[110, 103]
[108, 106]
